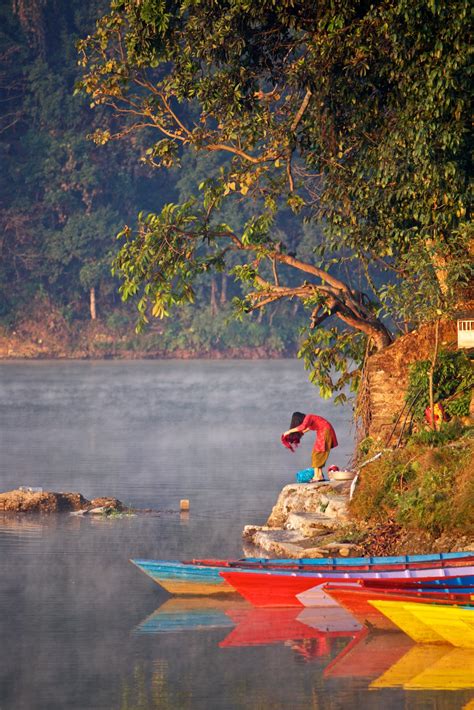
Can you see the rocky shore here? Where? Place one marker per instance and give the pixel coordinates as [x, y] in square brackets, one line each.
[24, 500]
[314, 520]
[308, 520]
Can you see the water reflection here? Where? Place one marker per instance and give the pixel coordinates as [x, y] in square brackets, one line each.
[191, 614]
[430, 667]
[381, 659]
[75, 624]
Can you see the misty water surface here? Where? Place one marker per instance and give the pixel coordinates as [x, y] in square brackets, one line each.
[78, 627]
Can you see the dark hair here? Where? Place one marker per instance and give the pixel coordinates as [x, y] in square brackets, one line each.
[296, 419]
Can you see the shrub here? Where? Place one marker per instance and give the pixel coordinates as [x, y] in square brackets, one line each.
[453, 379]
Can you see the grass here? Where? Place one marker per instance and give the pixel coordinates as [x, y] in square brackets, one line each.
[114, 513]
[428, 485]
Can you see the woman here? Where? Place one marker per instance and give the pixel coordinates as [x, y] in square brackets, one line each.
[325, 439]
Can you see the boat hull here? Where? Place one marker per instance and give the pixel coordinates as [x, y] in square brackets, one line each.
[203, 578]
[180, 578]
[278, 588]
[431, 623]
[335, 564]
[356, 600]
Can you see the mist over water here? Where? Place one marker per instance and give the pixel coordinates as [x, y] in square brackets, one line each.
[150, 433]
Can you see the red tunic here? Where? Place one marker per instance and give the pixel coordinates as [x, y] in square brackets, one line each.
[320, 426]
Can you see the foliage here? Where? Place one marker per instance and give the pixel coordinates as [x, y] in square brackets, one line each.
[351, 115]
[453, 380]
[448, 431]
[424, 488]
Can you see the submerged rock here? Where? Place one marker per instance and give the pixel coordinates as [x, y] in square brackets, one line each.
[30, 501]
[107, 502]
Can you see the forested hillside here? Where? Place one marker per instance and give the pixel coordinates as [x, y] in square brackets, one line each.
[64, 199]
[303, 166]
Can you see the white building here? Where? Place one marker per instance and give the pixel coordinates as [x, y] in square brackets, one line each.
[465, 329]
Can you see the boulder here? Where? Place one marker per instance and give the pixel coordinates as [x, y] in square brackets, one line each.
[107, 502]
[307, 498]
[309, 524]
[30, 501]
[24, 501]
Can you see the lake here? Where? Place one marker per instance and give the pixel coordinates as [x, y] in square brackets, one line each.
[80, 627]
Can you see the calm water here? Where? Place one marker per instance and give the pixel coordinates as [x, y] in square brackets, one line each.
[81, 628]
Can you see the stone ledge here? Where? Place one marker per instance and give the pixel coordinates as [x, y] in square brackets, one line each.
[291, 544]
[305, 498]
[309, 524]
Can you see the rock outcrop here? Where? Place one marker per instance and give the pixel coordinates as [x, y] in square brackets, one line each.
[308, 520]
[325, 499]
[388, 371]
[26, 501]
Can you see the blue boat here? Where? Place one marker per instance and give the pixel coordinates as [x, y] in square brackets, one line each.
[185, 577]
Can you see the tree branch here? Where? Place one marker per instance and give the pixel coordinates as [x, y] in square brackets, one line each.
[301, 110]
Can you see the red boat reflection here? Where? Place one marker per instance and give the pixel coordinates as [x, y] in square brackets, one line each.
[257, 626]
[368, 655]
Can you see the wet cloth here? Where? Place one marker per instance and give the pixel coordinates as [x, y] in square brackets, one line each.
[307, 476]
[325, 435]
[291, 441]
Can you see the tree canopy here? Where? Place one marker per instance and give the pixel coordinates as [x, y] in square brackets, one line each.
[353, 115]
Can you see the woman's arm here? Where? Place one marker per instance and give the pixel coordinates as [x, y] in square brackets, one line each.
[293, 431]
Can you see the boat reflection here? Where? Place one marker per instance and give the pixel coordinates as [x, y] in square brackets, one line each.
[426, 667]
[381, 659]
[190, 614]
[260, 626]
[368, 655]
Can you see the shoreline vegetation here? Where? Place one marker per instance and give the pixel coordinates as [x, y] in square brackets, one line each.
[45, 333]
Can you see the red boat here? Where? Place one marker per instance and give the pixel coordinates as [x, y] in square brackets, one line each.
[281, 588]
[355, 598]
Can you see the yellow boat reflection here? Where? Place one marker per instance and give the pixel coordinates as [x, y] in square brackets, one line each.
[430, 668]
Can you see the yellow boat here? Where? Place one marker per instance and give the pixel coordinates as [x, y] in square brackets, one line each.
[431, 623]
[407, 622]
[430, 667]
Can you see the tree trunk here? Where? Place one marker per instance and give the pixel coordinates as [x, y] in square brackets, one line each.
[431, 374]
[92, 304]
[213, 296]
[223, 298]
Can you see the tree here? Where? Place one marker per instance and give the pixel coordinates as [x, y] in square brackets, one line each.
[349, 113]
